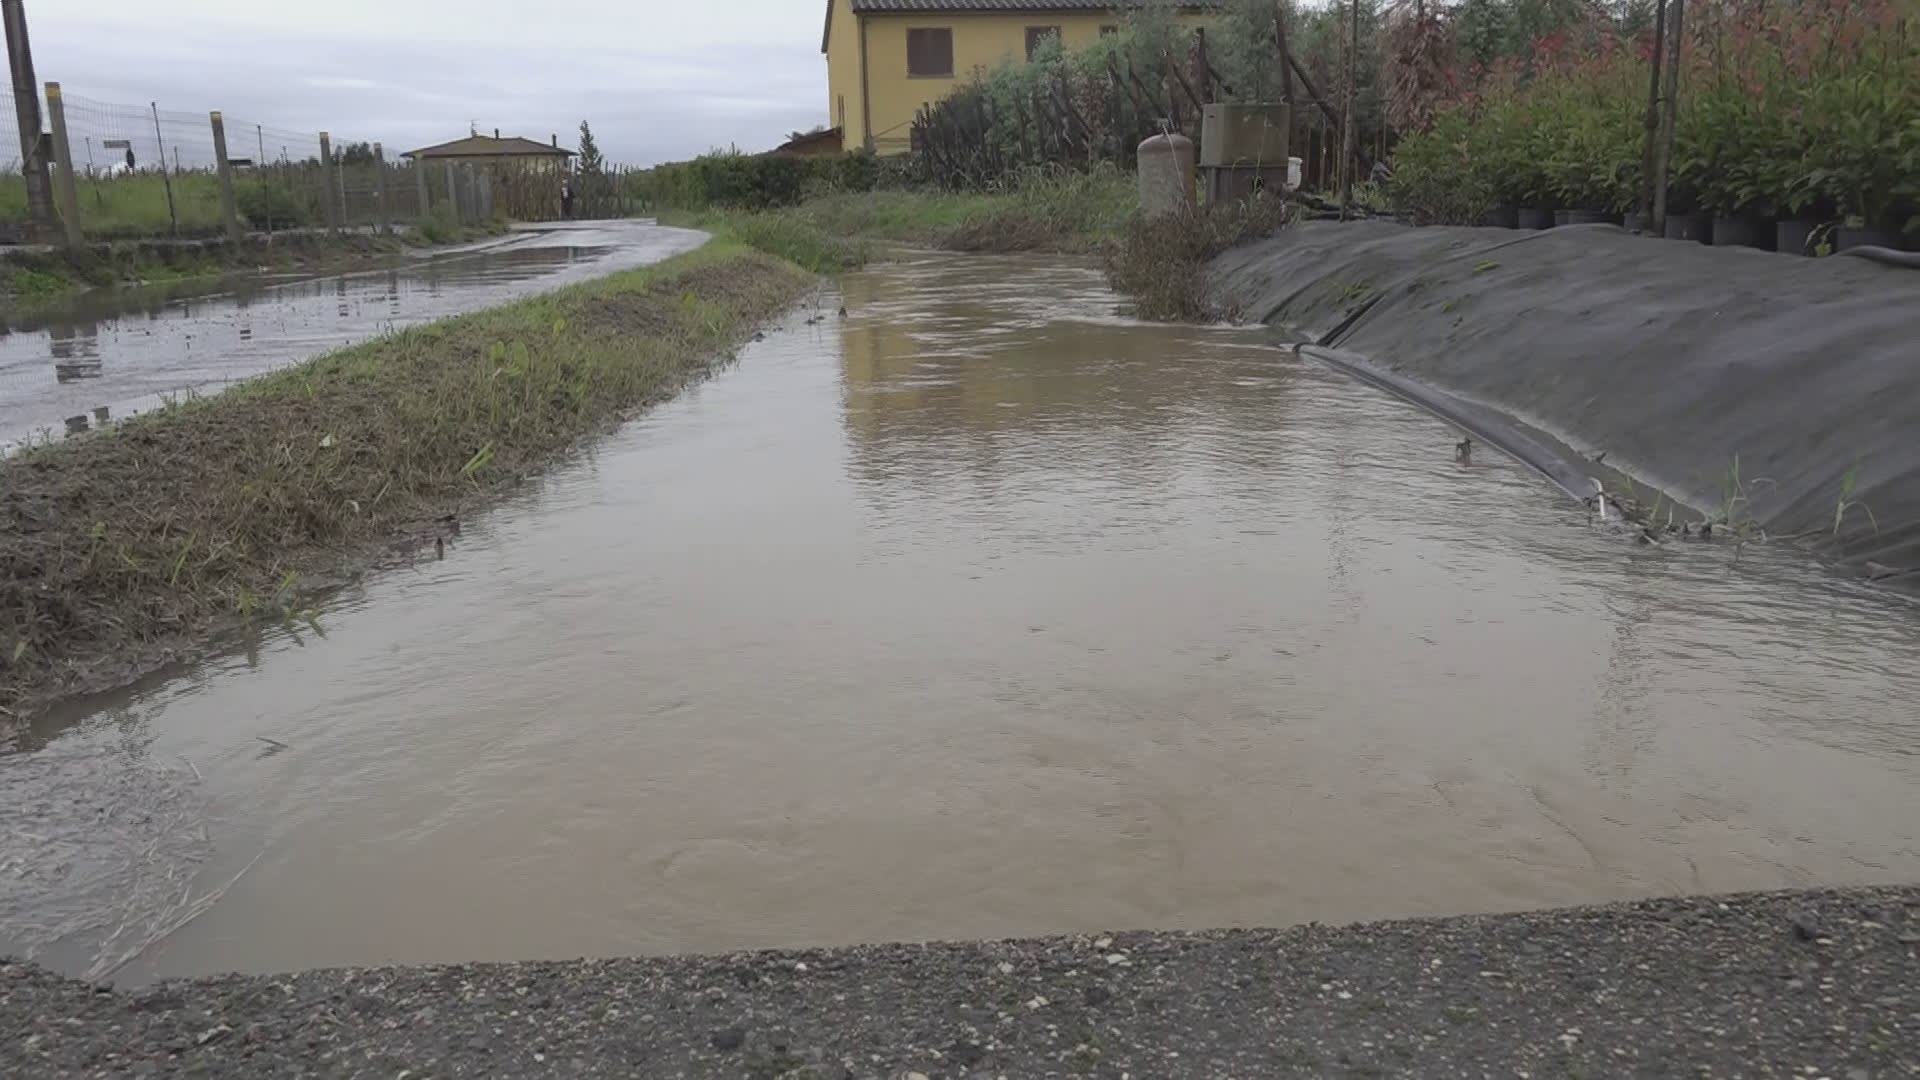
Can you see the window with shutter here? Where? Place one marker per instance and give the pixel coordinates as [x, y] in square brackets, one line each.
[1038, 36]
[930, 53]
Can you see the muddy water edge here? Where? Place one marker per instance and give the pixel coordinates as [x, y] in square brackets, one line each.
[134, 546]
[981, 611]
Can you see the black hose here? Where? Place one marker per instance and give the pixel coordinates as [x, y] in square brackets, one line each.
[1886, 256]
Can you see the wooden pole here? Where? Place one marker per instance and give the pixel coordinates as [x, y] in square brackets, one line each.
[65, 192]
[173, 217]
[453, 195]
[383, 213]
[1648, 154]
[1664, 156]
[229, 209]
[327, 204]
[1346, 109]
[420, 184]
[1286, 55]
[26, 112]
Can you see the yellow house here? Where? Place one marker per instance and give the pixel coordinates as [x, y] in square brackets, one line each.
[886, 58]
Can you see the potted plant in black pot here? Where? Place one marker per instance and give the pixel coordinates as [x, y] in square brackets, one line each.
[1862, 141]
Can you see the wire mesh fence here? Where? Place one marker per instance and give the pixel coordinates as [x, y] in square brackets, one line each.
[146, 171]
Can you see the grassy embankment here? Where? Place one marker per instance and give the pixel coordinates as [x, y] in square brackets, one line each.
[1159, 264]
[123, 549]
[1062, 212]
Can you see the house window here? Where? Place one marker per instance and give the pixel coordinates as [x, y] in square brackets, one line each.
[1038, 36]
[930, 53]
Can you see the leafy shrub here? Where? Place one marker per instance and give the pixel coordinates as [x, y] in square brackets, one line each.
[1162, 261]
[736, 181]
[268, 205]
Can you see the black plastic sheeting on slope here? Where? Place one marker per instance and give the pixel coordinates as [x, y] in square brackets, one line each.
[1687, 366]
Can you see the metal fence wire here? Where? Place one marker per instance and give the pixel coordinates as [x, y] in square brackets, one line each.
[145, 171]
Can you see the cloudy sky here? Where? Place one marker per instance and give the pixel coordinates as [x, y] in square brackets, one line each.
[660, 80]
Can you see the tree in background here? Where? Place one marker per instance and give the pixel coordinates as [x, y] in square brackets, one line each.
[591, 182]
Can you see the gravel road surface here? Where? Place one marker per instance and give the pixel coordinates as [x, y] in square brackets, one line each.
[1779, 984]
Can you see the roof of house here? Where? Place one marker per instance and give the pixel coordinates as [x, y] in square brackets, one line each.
[988, 7]
[804, 144]
[489, 146]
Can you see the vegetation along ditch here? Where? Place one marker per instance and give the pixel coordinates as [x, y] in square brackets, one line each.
[121, 550]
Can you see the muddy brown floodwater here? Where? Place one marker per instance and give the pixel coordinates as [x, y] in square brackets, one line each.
[103, 355]
[982, 611]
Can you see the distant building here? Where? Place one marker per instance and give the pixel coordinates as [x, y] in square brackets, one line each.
[823, 141]
[495, 151]
[886, 58]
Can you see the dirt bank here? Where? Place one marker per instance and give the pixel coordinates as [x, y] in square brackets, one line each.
[1819, 983]
[1761, 390]
[135, 546]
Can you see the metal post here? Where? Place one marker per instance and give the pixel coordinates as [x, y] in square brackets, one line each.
[326, 184]
[26, 111]
[229, 210]
[1647, 152]
[173, 216]
[64, 191]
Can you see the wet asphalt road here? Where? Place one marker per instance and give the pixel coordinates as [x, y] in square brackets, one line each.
[1803, 984]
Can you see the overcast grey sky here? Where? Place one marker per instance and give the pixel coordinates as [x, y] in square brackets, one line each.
[659, 80]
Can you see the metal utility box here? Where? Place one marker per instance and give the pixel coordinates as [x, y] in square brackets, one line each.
[1244, 135]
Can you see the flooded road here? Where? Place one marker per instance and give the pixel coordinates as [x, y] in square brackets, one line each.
[981, 612]
[105, 354]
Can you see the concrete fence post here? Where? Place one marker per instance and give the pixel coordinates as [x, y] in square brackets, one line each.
[381, 209]
[66, 194]
[229, 209]
[331, 209]
[486, 195]
[420, 184]
[453, 193]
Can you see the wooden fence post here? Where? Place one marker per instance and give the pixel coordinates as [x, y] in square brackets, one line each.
[383, 217]
[453, 195]
[66, 195]
[420, 184]
[332, 210]
[229, 208]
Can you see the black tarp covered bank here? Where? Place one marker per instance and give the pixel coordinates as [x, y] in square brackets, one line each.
[1706, 373]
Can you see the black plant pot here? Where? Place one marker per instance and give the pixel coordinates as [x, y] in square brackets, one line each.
[1582, 217]
[1695, 227]
[1636, 222]
[1501, 217]
[1534, 217]
[1849, 236]
[1794, 236]
[1739, 232]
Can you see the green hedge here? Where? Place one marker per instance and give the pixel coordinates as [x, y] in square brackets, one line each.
[737, 181]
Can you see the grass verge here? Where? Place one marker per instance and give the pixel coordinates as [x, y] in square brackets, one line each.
[1058, 210]
[126, 549]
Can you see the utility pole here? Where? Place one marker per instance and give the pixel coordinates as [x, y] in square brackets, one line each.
[26, 108]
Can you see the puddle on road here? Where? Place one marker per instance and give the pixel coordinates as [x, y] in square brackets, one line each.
[985, 612]
[108, 354]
